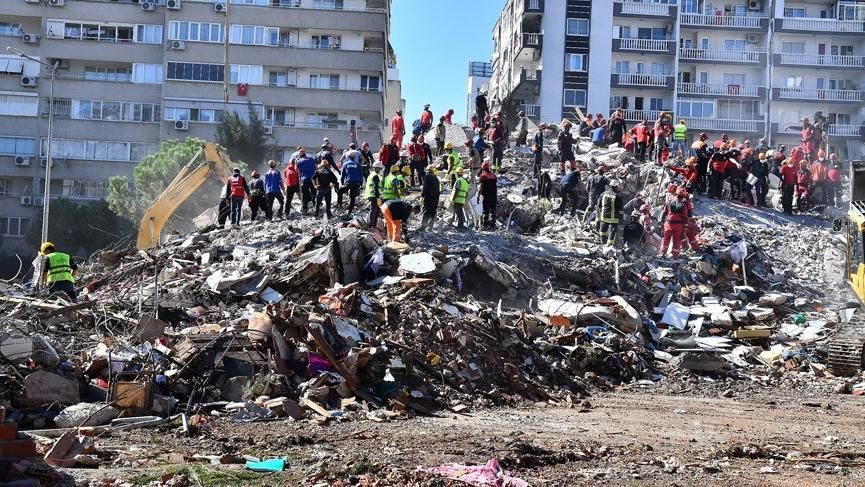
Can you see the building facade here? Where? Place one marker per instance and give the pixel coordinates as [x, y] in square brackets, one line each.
[132, 73]
[748, 68]
[478, 80]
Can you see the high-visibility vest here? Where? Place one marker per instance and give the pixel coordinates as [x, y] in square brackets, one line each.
[680, 131]
[458, 161]
[609, 212]
[400, 190]
[237, 183]
[388, 189]
[371, 186]
[59, 268]
[461, 191]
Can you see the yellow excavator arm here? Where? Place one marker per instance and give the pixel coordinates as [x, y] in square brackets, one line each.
[190, 178]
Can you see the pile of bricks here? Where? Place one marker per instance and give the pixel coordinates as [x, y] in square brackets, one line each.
[20, 464]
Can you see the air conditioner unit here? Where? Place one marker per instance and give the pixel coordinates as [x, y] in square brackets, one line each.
[178, 45]
[38, 201]
[268, 129]
[57, 3]
[22, 160]
[753, 38]
[147, 6]
[172, 4]
[29, 81]
[181, 125]
[30, 38]
[755, 5]
[219, 8]
[26, 200]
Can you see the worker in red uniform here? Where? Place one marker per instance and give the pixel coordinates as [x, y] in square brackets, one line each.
[488, 189]
[788, 185]
[803, 184]
[676, 215]
[690, 228]
[420, 155]
[397, 125]
[389, 154]
[449, 116]
[819, 168]
[833, 180]
[426, 119]
[291, 176]
[689, 172]
[640, 132]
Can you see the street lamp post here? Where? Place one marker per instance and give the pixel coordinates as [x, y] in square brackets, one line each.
[46, 200]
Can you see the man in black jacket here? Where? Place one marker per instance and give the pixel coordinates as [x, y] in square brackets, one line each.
[430, 193]
[324, 181]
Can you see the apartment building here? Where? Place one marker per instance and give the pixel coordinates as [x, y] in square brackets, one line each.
[748, 68]
[478, 80]
[132, 73]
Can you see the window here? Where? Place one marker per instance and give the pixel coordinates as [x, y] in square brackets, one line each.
[196, 31]
[279, 116]
[324, 81]
[324, 120]
[623, 66]
[737, 109]
[97, 150]
[660, 69]
[255, 35]
[148, 34]
[575, 98]
[10, 65]
[17, 146]
[195, 72]
[793, 81]
[695, 109]
[615, 102]
[115, 110]
[13, 226]
[575, 62]
[147, 73]
[370, 83]
[794, 12]
[92, 32]
[24, 106]
[10, 29]
[261, 3]
[326, 42]
[793, 47]
[733, 79]
[734, 44]
[204, 115]
[282, 78]
[656, 103]
[842, 50]
[244, 73]
[578, 27]
[82, 188]
[107, 73]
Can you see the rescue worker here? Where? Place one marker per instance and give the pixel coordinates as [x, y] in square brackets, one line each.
[522, 129]
[420, 155]
[458, 197]
[441, 134]
[496, 137]
[402, 177]
[430, 193]
[390, 185]
[689, 172]
[481, 106]
[788, 185]
[448, 118]
[291, 175]
[719, 162]
[819, 168]
[426, 120]
[256, 196]
[640, 132]
[306, 167]
[596, 185]
[389, 154]
[351, 179]
[538, 150]
[366, 159]
[663, 128]
[833, 181]
[676, 217]
[760, 170]
[454, 161]
[324, 181]
[273, 189]
[396, 214]
[373, 193]
[224, 207]
[489, 190]
[568, 188]
[58, 272]
[397, 125]
[700, 150]
[680, 135]
[237, 190]
[633, 231]
[617, 127]
[565, 143]
[689, 228]
[610, 212]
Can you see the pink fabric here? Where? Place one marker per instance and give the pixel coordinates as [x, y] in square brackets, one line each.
[489, 475]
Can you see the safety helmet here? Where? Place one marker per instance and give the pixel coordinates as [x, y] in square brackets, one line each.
[833, 156]
[672, 189]
[692, 160]
[365, 145]
[394, 169]
[255, 174]
[704, 136]
[406, 170]
[45, 246]
[431, 168]
[458, 171]
[770, 153]
[521, 113]
[542, 126]
[485, 166]
[821, 153]
[614, 183]
[403, 154]
[236, 170]
[449, 146]
[377, 165]
[682, 192]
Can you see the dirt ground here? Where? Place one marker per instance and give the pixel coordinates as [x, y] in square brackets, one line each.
[619, 439]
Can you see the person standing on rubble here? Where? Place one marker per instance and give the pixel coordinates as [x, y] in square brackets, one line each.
[662, 131]
[367, 159]
[306, 167]
[569, 189]
[700, 150]
[390, 185]
[522, 128]
[596, 186]
[617, 127]
[719, 164]
[440, 136]
[58, 272]
[760, 171]
[496, 137]
[238, 190]
[676, 217]
[454, 162]
[426, 120]
[403, 178]
[489, 190]
[803, 184]
[680, 135]
[291, 175]
[458, 197]
[788, 185]
[372, 193]
[689, 173]
[610, 213]
[833, 181]
[224, 207]
[420, 155]
[430, 193]
[448, 118]
[324, 181]
[273, 189]
[351, 179]
[538, 151]
[256, 196]
[396, 214]
[397, 125]
[819, 168]
[481, 107]
[565, 143]
[640, 133]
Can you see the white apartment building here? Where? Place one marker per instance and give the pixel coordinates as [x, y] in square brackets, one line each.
[132, 73]
[478, 80]
[748, 68]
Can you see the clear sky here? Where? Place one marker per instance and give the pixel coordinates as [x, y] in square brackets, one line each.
[434, 41]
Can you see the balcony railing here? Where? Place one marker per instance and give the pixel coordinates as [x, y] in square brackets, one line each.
[822, 25]
[843, 130]
[531, 111]
[640, 79]
[340, 87]
[640, 115]
[819, 94]
[656, 45]
[734, 21]
[698, 54]
[533, 6]
[828, 60]
[718, 90]
[96, 77]
[725, 125]
[640, 8]
[531, 40]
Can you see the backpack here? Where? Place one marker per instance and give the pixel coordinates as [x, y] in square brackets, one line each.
[415, 127]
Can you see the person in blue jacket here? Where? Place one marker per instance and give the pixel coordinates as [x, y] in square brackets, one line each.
[306, 167]
[351, 179]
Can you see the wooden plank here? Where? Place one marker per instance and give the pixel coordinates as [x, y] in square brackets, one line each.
[306, 402]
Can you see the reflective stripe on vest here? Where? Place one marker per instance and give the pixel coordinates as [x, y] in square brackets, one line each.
[58, 268]
[679, 132]
[462, 191]
[388, 191]
[608, 208]
[371, 186]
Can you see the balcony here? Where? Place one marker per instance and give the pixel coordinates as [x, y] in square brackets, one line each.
[529, 45]
[822, 26]
[533, 6]
[715, 90]
[532, 111]
[631, 8]
[817, 94]
[835, 130]
[698, 55]
[639, 115]
[643, 80]
[658, 46]
[819, 61]
[734, 22]
[726, 125]
[320, 15]
[528, 77]
[310, 135]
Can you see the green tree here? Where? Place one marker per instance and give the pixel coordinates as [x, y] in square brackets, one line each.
[80, 228]
[244, 141]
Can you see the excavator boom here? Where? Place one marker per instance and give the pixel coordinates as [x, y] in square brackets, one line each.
[216, 163]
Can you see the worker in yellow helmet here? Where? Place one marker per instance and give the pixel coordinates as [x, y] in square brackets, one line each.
[59, 271]
[454, 161]
[459, 196]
